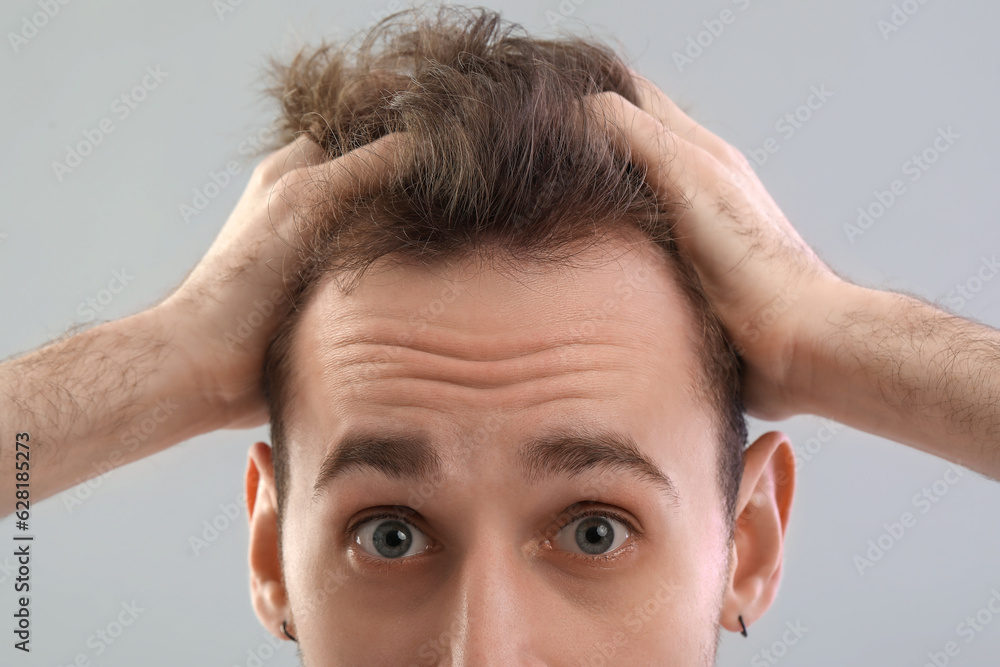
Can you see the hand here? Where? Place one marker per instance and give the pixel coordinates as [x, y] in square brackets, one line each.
[225, 312]
[769, 288]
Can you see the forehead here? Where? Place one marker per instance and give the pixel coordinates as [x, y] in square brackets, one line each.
[471, 346]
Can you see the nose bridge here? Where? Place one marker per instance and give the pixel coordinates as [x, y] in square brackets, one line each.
[491, 607]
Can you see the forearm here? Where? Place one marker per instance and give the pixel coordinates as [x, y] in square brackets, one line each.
[99, 399]
[895, 366]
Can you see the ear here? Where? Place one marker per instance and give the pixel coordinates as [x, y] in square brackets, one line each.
[762, 510]
[267, 587]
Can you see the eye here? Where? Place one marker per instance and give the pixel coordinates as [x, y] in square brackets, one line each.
[389, 536]
[593, 534]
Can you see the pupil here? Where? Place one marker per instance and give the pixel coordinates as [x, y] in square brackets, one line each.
[596, 533]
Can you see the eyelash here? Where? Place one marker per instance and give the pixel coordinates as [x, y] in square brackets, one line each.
[386, 564]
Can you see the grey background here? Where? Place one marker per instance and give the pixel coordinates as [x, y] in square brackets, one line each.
[60, 242]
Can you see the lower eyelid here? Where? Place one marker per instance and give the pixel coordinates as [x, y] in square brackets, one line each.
[603, 560]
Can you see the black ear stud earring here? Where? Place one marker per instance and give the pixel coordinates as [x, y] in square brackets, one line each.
[744, 631]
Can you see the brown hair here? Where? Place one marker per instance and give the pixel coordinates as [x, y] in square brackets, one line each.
[503, 156]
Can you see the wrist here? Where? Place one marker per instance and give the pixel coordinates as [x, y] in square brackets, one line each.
[831, 345]
[224, 369]
[189, 373]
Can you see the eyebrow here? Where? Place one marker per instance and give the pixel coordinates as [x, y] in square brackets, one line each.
[568, 452]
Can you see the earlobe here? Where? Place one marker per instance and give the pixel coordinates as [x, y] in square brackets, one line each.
[763, 509]
[267, 588]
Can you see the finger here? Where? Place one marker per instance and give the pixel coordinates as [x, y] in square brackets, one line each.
[674, 164]
[717, 206]
[301, 152]
[330, 182]
[364, 168]
[655, 102]
[367, 167]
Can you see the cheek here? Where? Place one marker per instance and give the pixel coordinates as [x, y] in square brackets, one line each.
[344, 619]
[671, 614]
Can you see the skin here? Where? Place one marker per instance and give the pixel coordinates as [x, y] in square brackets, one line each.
[498, 575]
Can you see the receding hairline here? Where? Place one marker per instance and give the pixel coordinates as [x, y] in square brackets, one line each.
[507, 264]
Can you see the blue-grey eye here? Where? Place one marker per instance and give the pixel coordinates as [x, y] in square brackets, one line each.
[390, 538]
[592, 535]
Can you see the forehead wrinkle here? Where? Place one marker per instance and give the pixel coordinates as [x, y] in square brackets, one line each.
[388, 334]
[374, 362]
[389, 337]
[366, 359]
[446, 396]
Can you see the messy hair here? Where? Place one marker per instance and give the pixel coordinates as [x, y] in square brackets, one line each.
[502, 156]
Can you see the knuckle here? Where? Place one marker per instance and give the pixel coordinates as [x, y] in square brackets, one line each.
[266, 172]
[607, 100]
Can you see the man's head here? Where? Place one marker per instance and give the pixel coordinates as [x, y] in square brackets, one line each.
[500, 369]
